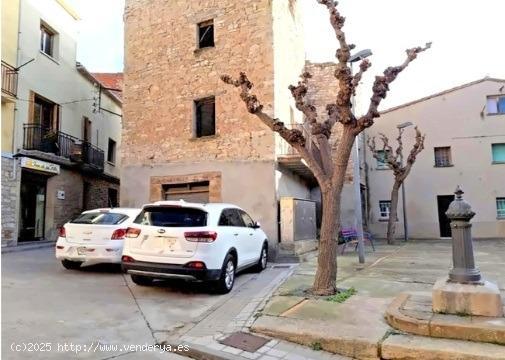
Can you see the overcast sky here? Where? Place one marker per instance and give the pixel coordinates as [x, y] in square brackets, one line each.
[467, 38]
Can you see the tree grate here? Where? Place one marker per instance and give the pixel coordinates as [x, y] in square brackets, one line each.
[244, 341]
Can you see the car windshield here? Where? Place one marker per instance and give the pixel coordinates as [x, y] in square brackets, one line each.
[100, 218]
[172, 217]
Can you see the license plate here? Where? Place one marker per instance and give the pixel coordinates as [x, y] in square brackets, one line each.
[82, 250]
[170, 242]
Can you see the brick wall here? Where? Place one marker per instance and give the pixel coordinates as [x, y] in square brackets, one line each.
[165, 73]
[98, 193]
[322, 90]
[10, 205]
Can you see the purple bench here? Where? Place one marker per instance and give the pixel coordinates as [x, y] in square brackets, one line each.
[350, 236]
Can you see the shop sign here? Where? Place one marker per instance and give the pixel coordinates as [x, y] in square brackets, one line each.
[39, 165]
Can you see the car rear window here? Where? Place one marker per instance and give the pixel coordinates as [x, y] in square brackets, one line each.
[172, 217]
[100, 218]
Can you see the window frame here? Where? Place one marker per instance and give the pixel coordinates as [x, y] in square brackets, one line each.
[500, 213]
[111, 191]
[209, 24]
[497, 99]
[198, 117]
[42, 102]
[47, 32]
[493, 161]
[381, 165]
[114, 143]
[440, 164]
[388, 210]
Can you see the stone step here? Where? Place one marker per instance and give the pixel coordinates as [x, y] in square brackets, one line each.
[351, 335]
[405, 347]
[287, 246]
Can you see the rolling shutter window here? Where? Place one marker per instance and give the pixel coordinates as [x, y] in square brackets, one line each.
[191, 192]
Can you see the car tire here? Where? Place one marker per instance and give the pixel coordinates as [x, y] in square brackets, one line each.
[227, 279]
[71, 265]
[262, 262]
[142, 280]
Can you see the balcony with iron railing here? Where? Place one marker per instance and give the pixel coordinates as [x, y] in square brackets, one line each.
[38, 138]
[9, 80]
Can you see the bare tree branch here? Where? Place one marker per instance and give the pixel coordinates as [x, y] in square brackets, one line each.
[416, 149]
[392, 158]
[319, 131]
[293, 136]
[343, 71]
[299, 92]
[363, 66]
[381, 87]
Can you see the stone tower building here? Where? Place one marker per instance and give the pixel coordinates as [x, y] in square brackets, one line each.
[186, 134]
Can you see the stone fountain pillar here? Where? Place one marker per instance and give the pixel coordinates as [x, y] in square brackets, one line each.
[464, 292]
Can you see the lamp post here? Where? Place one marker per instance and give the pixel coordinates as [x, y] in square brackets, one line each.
[405, 225]
[360, 55]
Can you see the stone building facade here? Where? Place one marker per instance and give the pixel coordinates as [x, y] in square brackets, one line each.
[168, 73]
[10, 200]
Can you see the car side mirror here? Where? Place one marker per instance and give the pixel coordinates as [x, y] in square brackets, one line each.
[256, 225]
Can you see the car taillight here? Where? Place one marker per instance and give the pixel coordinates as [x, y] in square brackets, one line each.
[62, 232]
[195, 265]
[126, 258]
[201, 236]
[118, 234]
[132, 232]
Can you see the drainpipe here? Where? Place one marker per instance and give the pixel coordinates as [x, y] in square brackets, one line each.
[15, 122]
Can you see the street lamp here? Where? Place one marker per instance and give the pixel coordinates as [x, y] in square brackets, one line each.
[360, 55]
[405, 226]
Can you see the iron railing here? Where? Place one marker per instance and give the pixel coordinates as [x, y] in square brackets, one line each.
[9, 79]
[286, 149]
[92, 155]
[36, 137]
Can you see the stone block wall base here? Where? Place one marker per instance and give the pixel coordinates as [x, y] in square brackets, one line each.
[467, 299]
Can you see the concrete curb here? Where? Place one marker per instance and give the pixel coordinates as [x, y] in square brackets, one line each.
[471, 328]
[359, 348]
[27, 247]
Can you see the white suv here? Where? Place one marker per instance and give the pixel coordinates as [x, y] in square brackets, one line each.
[210, 242]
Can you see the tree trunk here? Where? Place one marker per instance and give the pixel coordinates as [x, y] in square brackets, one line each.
[326, 274]
[393, 213]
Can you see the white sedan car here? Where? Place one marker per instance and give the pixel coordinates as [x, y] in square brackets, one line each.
[94, 237]
[192, 241]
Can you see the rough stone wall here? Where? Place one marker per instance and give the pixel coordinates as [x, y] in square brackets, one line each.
[165, 73]
[98, 193]
[59, 211]
[10, 201]
[322, 90]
